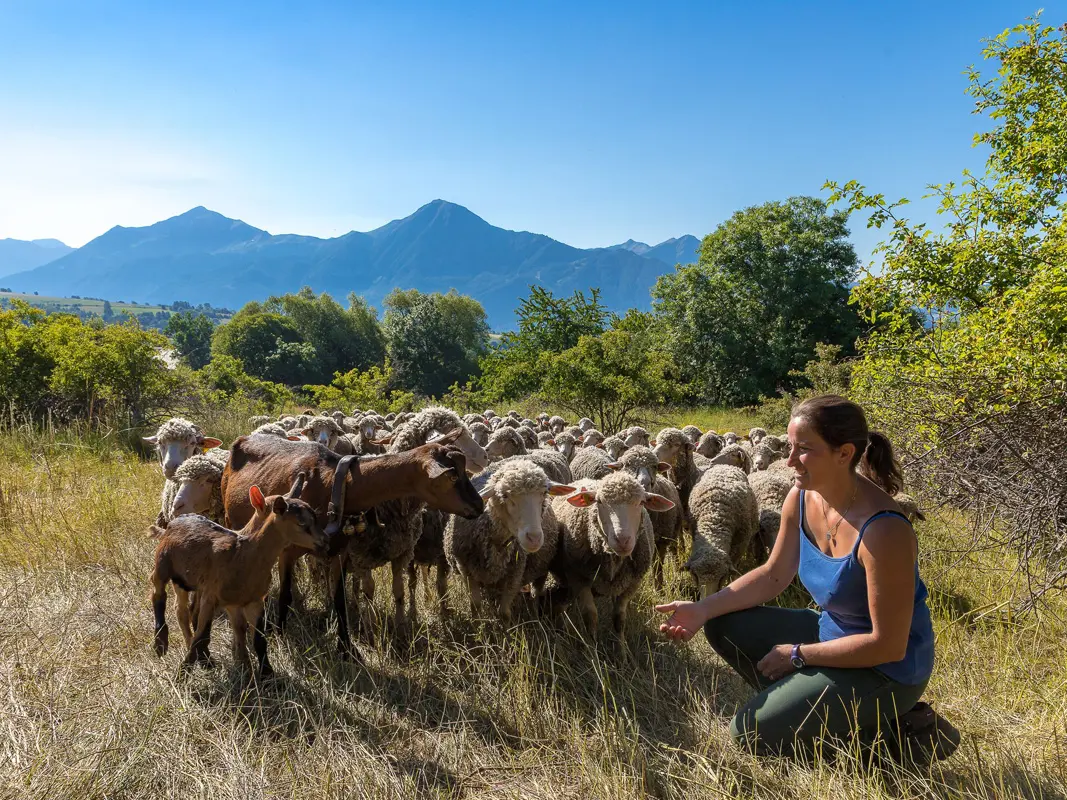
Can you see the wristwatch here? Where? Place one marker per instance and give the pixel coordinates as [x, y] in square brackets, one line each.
[797, 658]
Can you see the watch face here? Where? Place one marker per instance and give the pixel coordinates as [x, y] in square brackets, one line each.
[798, 663]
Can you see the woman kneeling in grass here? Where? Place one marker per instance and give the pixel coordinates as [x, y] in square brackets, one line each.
[862, 663]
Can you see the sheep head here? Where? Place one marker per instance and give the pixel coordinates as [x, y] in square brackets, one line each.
[515, 497]
[618, 500]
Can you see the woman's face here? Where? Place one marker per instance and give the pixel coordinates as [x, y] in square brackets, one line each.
[814, 461]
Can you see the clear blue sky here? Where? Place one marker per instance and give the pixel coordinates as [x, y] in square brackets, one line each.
[590, 122]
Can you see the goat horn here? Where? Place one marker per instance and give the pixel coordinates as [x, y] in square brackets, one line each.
[298, 486]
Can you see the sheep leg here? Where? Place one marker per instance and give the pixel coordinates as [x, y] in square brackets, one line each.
[661, 554]
[240, 633]
[254, 611]
[507, 599]
[183, 602]
[589, 613]
[442, 586]
[618, 618]
[413, 584]
[399, 567]
[475, 592]
[159, 608]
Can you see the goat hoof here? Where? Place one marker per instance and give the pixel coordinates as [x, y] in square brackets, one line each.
[162, 641]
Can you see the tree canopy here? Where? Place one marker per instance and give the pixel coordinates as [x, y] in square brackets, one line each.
[772, 281]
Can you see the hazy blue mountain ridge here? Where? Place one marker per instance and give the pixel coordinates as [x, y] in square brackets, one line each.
[203, 256]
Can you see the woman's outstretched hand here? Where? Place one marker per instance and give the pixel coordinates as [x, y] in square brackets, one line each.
[686, 618]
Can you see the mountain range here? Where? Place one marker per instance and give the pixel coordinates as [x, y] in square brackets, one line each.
[17, 255]
[202, 256]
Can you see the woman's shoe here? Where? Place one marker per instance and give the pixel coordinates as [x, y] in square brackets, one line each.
[926, 736]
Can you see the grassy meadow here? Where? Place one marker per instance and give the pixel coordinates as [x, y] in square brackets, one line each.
[85, 304]
[467, 710]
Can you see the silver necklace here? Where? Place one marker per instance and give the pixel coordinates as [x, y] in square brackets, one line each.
[830, 534]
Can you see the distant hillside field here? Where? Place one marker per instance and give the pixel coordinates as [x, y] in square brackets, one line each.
[69, 303]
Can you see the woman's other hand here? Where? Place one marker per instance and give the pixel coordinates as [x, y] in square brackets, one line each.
[686, 618]
[777, 663]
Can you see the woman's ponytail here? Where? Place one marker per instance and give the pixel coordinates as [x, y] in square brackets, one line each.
[880, 465]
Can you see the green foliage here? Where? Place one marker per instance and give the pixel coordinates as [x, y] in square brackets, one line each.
[608, 377]
[342, 339]
[252, 337]
[223, 381]
[57, 364]
[772, 282]
[433, 339]
[547, 324]
[827, 373]
[191, 334]
[991, 362]
[370, 388]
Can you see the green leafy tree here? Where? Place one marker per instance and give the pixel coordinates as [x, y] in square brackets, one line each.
[547, 324]
[254, 336]
[342, 339]
[433, 340]
[608, 377]
[371, 388]
[976, 397]
[772, 281]
[191, 334]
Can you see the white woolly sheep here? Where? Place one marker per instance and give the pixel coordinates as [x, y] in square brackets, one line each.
[734, 455]
[693, 432]
[763, 457]
[643, 465]
[259, 419]
[725, 520]
[176, 440]
[513, 542]
[614, 447]
[636, 435]
[488, 413]
[197, 486]
[710, 445]
[326, 431]
[756, 435]
[271, 429]
[592, 437]
[529, 437]
[566, 443]
[674, 448]
[545, 440]
[591, 463]
[729, 438]
[586, 424]
[770, 488]
[606, 545]
[557, 424]
[504, 443]
[480, 432]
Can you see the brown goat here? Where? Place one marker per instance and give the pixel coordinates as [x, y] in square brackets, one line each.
[228, 568]
[433, 473]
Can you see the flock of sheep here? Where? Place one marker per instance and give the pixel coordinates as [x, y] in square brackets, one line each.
[569, 514]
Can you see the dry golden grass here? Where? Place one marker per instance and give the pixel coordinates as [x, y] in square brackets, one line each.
[467, 711]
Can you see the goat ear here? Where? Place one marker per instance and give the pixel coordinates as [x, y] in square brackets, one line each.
[210, 442]
[255, 497]
[663, 466]
[559, 489]
[150, 439]
[458, 460]
[657, 502]
[279, 506]
[582, 499]
[435, 469]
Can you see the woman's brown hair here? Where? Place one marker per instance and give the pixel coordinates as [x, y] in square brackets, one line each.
[839, 421]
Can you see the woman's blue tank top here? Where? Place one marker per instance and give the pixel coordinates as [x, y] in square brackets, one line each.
[839, 588]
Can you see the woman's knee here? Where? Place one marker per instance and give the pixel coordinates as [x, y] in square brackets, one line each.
[748, 735]
[721, 630]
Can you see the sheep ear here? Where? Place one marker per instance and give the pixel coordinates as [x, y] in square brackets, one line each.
[559, 489]
[150, 439]
[487, 493]
[294, 438]
[582, 499]
[600, 445]
[279, 506]
[579, 439]
[657, 502]
[210, 442]
[383, 442]
[551, 442]
[305, 431]
[255, 497]
[652, 442]
[663, 467]
[614, 465]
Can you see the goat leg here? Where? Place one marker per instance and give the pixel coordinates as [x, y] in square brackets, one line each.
[159, 608]
[254, 611]
[286, 565]
[340, 610]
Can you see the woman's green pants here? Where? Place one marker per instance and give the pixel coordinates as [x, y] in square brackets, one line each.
[791, 715]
